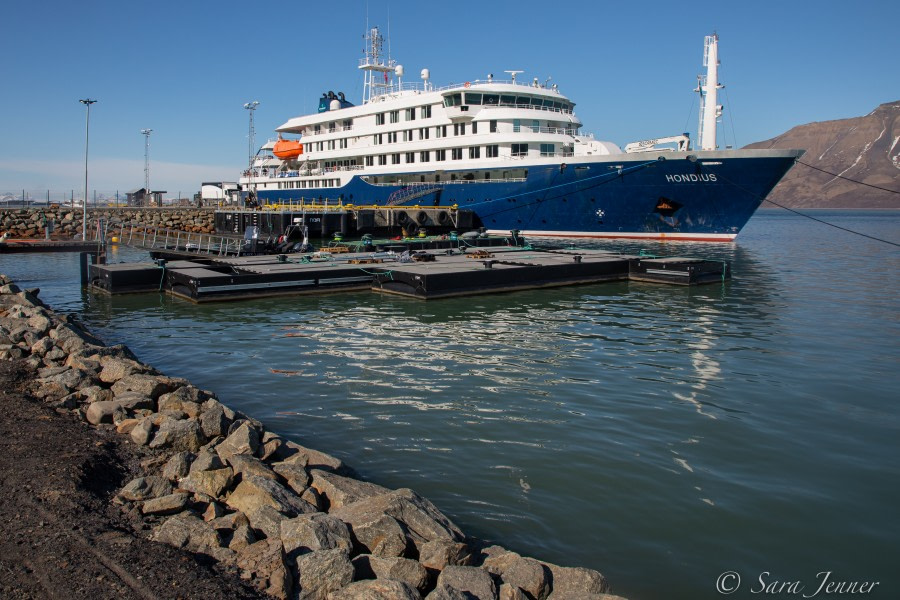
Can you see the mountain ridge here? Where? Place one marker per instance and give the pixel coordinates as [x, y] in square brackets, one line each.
[862, 149]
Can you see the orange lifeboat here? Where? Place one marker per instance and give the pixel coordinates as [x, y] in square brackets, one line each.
[287, 149]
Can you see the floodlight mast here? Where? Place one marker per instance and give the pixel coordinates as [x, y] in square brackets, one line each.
[146, 133]
[87, 127]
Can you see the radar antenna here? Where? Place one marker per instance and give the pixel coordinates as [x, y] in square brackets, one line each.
[513, 74]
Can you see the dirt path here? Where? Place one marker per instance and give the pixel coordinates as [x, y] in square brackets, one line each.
[60, 534]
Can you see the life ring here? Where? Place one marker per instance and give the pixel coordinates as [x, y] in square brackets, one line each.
[468, 85]
[402, 217]
[443, 217]
[421, 217]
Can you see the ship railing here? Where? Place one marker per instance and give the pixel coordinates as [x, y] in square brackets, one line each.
[306, 204]
[416, 86]
[148, 237]
[552, 130]
[528, 106]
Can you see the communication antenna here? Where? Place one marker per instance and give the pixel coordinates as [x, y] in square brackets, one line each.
[376, 79]
[513, 74]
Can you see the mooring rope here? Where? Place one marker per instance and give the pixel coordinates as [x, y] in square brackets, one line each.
[847, 178]
[865, 235]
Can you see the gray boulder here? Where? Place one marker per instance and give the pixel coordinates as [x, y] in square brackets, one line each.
[192, 533]
[253, 492]
[575, 582]
[115, 368]
[296, 476]
[148, 385]
[144, 488]
[181, 435]
[375, 533]
[315, 531]
[438, 554]
[243, 440]
[214, 420]
[476, 582]
[178, 466]
[266, 521]
[265, 561]
[213, 483]
[314, 459]
[525, 573]
[421, 521]
[445, 592]
[207, 460]
[340, 491]
[244, 465]
[511, 592]
[142, 433]
[103, 411]
[166, 505]
[323, 572]
[398, 568]
[376, 589]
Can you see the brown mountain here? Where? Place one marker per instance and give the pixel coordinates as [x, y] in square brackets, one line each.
[865, 149]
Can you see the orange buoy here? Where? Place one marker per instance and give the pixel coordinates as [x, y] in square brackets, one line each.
[287, 149]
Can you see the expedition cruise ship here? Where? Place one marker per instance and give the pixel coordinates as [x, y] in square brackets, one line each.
[512, 152]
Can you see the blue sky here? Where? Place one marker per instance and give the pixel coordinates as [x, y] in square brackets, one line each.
[185, 69]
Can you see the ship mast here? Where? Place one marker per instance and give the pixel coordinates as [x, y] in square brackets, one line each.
[708, 86]
[376, 79]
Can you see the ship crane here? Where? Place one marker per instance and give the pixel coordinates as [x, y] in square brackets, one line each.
[683, 142]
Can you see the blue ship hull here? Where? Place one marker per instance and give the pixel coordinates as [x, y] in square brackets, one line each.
[702, 196]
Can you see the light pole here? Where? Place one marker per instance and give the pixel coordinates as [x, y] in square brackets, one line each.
[146, 133]
[87, 127]
[251, 106]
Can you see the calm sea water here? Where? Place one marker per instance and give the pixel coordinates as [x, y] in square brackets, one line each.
[661, 435]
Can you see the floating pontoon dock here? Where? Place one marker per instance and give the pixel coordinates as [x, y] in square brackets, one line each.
[424, 274]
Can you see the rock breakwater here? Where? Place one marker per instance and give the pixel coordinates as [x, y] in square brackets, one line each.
[30, 222]
[295, 521]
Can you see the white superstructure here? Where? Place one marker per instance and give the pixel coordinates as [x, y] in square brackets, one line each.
[410, 132]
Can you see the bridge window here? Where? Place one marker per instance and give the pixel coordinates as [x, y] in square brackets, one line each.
[473, 98]
[491, 99]
[453, 100]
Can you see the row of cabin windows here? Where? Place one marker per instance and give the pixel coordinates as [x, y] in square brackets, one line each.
[329, 145]
[409, 115]
[518, 101]
[346, 125]
[424, 133]
[306, 184]
[409, 135]
[472, 152]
